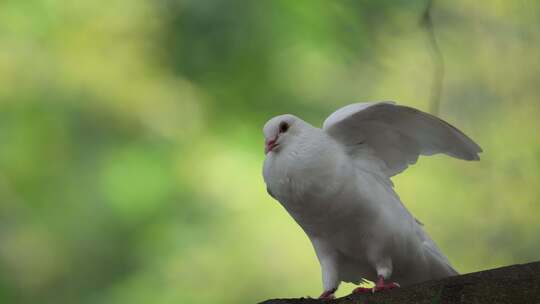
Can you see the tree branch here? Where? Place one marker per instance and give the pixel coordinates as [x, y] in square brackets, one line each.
[512, 284]
[438, 61]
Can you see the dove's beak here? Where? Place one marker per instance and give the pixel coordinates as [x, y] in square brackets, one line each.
[270, 145]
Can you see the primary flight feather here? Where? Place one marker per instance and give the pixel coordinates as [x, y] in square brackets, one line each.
[335, 183]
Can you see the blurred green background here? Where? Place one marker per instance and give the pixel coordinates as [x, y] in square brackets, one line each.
[131, 144]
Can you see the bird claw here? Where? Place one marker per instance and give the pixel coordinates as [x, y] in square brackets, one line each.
[327, 295]
[385, 287]
[378, 287]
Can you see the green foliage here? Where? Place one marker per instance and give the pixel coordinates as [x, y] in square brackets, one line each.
[131, 145]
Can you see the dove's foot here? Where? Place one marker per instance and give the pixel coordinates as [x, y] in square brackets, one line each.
[328, 295]
[362, 290]
[378, 287]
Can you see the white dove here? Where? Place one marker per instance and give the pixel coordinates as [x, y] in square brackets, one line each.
[335, 183]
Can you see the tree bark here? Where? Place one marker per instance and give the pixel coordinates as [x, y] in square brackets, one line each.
[518, 283]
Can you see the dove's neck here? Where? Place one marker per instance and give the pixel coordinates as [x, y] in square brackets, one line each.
[309, 169]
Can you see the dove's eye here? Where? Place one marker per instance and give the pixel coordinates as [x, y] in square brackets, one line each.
[283, 127]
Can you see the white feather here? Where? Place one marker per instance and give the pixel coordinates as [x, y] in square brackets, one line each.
[398, 134]
[335, 183]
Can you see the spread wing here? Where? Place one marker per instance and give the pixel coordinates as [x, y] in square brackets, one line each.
[397, 135]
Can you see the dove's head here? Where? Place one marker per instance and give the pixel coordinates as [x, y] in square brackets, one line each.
[280, 130]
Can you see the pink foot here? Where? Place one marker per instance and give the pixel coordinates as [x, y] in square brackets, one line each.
[378, 287]
[328, 295]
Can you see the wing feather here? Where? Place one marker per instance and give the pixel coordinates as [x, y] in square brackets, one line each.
[397, 134]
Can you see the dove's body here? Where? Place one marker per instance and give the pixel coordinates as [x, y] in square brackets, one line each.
[335, 182]
[353, 217]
